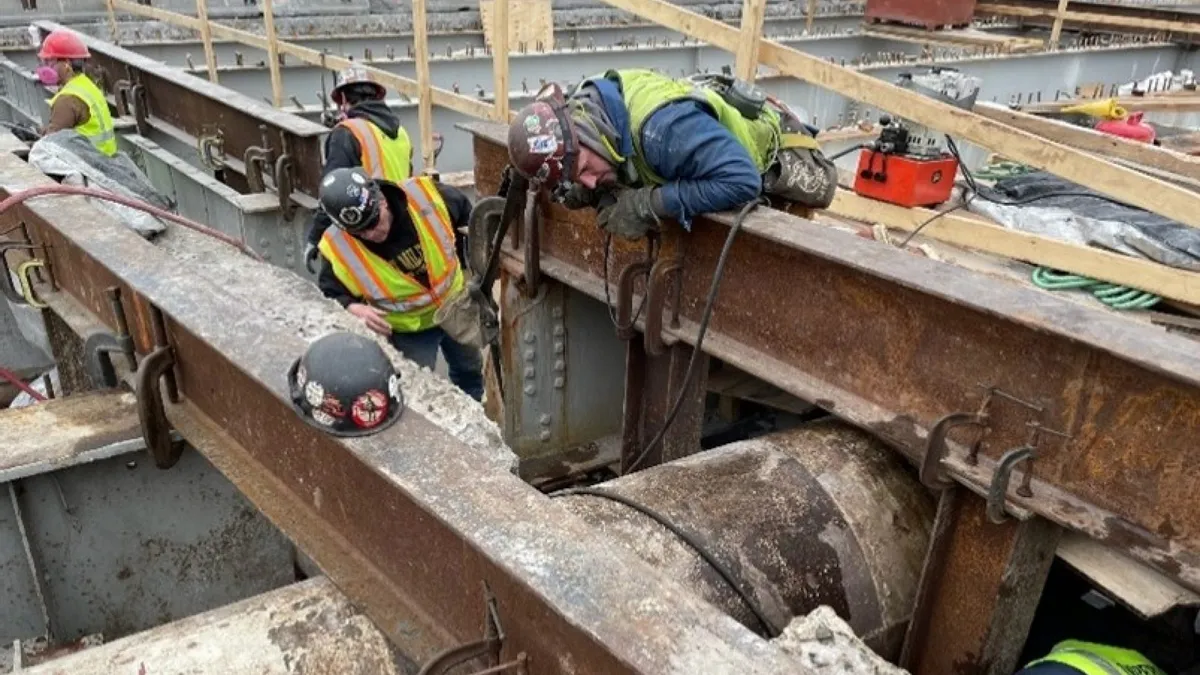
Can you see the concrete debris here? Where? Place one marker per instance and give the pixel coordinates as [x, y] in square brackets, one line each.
[825, 643]
[299, 305]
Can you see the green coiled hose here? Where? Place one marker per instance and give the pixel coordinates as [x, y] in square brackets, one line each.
[1117, 297]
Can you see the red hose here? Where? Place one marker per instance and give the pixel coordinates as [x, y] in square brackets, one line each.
[44, 190]
[6, 374]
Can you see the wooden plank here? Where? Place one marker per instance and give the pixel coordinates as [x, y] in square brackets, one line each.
[979, 234]
[969, 37]
[1056, 31]
[66, 431]
[424, 99]
[810, 13]
[210, 56]
[530, 22]
[500, 46]
[1093, 141]
[746, 62]
[1141, 589]
[1116, 21]
[1186, 102]
[407, 86]
[273, 54]
[1074, 165]
[112, 22]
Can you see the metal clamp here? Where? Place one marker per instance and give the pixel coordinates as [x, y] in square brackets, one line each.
[258, 161]
[625, 283]
[933, 473]
[211, 148]
[998, 490]
[121, 93]
[6, 285]
[486, 648]
[27, 284]
[992, 394]
[531, 240]
[99, 347]
[141, 109]
[157, 366]
[283, 185]
[657, 289]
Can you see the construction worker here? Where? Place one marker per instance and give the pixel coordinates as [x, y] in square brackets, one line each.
[678, 149]
[391, 261]
[1074, 657]
[79, 104]
[368, 135]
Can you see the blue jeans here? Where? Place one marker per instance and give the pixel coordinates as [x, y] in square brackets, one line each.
[465, 363]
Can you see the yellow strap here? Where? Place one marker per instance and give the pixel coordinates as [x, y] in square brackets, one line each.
[787, 141]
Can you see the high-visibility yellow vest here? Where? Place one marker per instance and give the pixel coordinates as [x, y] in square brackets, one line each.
[381, 157]
[410, 305]
[1090, 658]
[99, 127]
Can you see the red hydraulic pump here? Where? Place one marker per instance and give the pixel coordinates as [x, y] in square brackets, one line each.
[910, 164]
[891, 171]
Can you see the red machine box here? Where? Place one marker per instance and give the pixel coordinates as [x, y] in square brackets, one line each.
[929, 14]
[906, 181]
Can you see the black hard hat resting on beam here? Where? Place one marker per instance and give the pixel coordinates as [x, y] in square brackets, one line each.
[345, 385]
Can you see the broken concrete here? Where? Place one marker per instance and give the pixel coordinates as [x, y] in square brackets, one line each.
[827, 644]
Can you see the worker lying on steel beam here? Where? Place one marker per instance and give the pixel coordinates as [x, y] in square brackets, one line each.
[368, 135]
[392, 261]
[1074, 657]
[640, 147]
[79, 103]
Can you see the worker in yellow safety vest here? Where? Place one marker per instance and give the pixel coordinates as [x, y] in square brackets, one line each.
[390, 259]
[368, 135]
[1075, 657]
[79, 103]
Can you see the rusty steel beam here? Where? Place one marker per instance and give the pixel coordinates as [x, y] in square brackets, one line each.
[198, 107]
[409, 523]
[894, 342]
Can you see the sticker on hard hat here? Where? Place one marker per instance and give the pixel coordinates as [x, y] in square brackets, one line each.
[301, 375]
[350, 215]
[542, 144]
[369, 409]
[358, 178]
[354, 191]
[314, 393]
[394, 387]
[332, 406]
[321, 417]
[533, 124]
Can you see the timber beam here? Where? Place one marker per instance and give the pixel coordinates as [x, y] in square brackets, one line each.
[1106, 15]
[894, 342]
[411, 524]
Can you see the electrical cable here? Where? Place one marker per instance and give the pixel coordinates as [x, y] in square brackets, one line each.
[696, 350]
[843, 153]
[48, 190]
[11, 377]
[691, 540]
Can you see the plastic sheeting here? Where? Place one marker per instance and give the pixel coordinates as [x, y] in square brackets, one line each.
[1088, 220]
[72, 157]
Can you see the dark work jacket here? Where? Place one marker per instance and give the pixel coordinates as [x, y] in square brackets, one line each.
[402, 247]
[342, 151]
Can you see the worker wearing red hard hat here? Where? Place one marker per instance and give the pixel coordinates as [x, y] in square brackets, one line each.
[368, 135]
[642, 147]
[79, 104]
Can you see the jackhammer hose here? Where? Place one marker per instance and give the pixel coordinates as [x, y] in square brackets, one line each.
[11, 377]
[46, 190]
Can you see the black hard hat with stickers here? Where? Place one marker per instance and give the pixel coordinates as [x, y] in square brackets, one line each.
[351, 198]
[345, 385]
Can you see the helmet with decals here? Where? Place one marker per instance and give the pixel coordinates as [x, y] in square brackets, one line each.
[345, 385]
[351, 198]
[542, 143]
[357, 81]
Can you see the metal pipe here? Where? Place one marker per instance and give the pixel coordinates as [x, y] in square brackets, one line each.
[823, 514]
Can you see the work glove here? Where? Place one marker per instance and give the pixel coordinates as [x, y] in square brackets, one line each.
[578, 197]
[310, 257]
[632, 214]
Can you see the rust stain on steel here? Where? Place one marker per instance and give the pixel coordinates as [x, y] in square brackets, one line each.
[431, 516]
[983, 595]
[893, 342]
[197, 106]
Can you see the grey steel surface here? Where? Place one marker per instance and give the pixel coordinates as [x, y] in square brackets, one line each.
[124, 547]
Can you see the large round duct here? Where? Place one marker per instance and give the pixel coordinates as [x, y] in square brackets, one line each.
[819, 515]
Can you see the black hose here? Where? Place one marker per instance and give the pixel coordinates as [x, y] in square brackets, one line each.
[704, 319]
[691, 540]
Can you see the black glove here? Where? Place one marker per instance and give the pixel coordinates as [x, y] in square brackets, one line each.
[632, 215]
[310, 257]
[578, 197]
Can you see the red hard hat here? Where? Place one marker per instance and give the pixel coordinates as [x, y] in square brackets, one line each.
[541, 140]
[63, 44]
